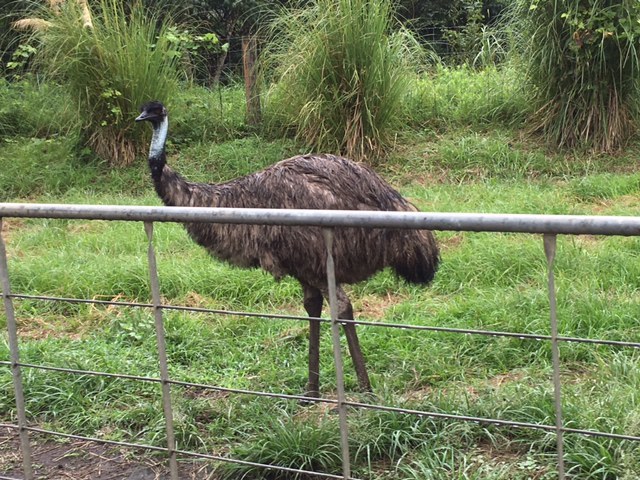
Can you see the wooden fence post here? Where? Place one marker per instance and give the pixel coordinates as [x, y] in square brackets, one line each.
[252, 92]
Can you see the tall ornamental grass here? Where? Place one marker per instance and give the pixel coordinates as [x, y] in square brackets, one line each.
[582, 64]
[340, 73]
[111, 59]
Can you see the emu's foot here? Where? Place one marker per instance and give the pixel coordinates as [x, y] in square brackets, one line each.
[311, 394]
[368, 396]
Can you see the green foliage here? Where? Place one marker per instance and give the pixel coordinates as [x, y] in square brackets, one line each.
[110, 69]
[21, 56]
[605, 186]
[451, 25]
[454, 96]
[582, 64]
[43, 167]
[201, 115]
[295, 444]
[10, 11]
[193, 50]
[230, 20]
[475, 42]
[341, 73]
[32, 109]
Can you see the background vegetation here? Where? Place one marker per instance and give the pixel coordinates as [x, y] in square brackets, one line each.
[341, 73]
[111, 60]
[464, 143]
[581, 59]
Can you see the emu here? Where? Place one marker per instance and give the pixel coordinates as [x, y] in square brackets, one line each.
[304, 182]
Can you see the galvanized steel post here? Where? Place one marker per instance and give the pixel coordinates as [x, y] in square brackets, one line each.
[337, 354]
[15, 360]
[550, 252]
[162, 352]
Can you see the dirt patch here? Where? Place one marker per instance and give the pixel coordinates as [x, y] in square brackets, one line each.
[501, 379]
[81, 460]
[37, 328]
[627, 202]
[10, 225]
[196, 300]
[374, 307]
[451, 243]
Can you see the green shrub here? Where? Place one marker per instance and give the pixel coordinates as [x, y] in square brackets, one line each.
[582, 67]
[341, 75]
[109, 67]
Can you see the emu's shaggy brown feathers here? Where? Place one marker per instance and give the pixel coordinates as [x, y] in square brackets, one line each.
[308, 182]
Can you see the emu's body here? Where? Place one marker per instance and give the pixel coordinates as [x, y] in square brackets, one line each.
[309, 182]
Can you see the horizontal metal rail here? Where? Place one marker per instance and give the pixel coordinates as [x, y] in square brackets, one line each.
[165, 307]
[492, 421]
[399, 326]
[369, 406]
[139, 378]
[475, 222]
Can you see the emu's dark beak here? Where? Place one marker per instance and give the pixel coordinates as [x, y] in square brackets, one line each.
[143, 116]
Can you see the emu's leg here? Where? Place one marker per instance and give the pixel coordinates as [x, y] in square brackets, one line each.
[313, 306]
[345, 312]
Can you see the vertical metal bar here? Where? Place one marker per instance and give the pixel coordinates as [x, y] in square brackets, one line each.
[15, 360]
[162, 352]
[550, 252]
[337, 354]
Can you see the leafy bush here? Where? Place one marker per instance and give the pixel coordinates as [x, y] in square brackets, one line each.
[341, 75]
[475, 42]
[582, 64]
[111, 60]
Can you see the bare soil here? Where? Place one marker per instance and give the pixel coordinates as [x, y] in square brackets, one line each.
[80, 460]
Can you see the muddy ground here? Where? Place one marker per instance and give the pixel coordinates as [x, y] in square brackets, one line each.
[81, 460]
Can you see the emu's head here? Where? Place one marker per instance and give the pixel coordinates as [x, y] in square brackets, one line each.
[153, 112]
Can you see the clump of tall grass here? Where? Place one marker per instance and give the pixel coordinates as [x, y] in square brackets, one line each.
[111, 59]
[582, 65]
[340, 72]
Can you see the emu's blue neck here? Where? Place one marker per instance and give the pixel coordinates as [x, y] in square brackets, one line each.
[157, 155]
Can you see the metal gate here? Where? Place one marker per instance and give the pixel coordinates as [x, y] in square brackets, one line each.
[548, 226]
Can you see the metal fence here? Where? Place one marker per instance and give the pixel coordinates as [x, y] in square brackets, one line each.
[548, 225]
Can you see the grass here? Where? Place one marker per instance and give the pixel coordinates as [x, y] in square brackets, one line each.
[53, 118]
[455, 96]
[342, 71]
[487, 281]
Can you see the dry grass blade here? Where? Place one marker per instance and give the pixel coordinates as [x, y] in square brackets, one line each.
[31, 24]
